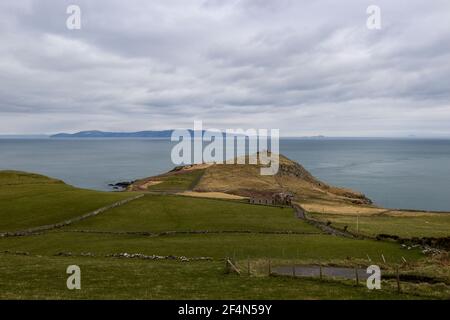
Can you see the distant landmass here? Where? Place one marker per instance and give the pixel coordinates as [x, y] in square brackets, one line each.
[103, 134]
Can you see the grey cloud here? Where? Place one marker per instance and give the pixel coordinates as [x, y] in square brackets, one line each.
[162, 64]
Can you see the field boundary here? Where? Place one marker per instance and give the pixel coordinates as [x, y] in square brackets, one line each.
[181, 232]
[301, 213]
[47, 227]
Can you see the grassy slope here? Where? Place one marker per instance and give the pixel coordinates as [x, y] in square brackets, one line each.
[309, 247]
[177, 182]
[292, 177]
[157, 213]
[30, 200]
[432, 225]
[44, 276]
[28, 277]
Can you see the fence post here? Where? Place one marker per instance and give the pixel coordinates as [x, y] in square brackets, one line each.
[320, 271]
[398, 279]
[293, 269]
[231, 267]
[357, 276]
[227, 266]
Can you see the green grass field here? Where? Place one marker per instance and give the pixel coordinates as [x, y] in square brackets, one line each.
[158, 213]
[178, 182]
[45, 277]
[437, 225]
[30, 200]
[237, 230]
[309, 247]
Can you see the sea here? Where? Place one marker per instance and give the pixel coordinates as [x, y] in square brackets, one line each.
[394, 173]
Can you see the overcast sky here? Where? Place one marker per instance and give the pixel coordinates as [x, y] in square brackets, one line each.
[305, 67]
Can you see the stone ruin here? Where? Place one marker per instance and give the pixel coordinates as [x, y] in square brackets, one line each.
[279, 198]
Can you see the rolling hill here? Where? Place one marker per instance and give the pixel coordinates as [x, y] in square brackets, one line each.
[245, 180]
[29, 200]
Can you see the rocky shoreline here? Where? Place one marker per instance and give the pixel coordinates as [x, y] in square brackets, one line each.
[122, 185]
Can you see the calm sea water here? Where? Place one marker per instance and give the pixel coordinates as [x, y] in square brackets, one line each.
[407, 173]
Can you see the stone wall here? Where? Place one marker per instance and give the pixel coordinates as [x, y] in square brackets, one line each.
[34, 230]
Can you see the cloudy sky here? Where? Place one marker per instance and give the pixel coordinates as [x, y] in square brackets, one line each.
[305, 67]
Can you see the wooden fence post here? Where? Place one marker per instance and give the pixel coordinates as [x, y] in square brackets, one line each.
[357, 276]
[398, 279]
[231, 267]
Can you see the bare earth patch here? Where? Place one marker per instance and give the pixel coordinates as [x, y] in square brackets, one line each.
[214, 195]
[339, 208]
[197, 167]
[335, 207]
[147, 184]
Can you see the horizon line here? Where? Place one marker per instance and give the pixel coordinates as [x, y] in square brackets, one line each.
[318, 136]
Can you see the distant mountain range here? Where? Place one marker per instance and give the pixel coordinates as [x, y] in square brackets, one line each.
[137, 134]
[103, 134]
